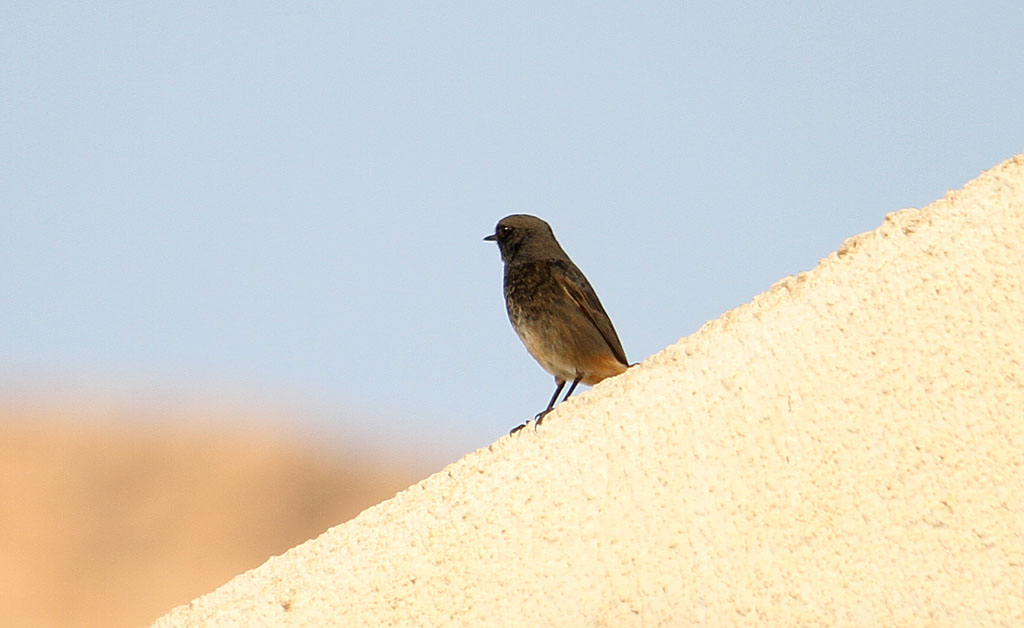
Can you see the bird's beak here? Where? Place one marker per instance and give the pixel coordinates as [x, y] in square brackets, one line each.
[491, 238]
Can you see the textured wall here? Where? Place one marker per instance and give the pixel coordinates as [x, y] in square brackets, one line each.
[845, 450]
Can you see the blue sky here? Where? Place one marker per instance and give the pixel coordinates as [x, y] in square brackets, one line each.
[287, 202]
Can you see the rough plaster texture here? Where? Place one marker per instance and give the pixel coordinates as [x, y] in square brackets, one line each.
[845, 450]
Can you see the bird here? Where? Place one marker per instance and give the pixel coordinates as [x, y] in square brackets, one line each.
[553, 309]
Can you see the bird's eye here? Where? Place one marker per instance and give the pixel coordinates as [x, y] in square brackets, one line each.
[504, 230]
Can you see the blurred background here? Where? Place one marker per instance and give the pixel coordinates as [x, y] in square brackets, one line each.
[244, 292]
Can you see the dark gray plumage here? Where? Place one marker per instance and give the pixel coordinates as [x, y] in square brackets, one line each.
[553, 308]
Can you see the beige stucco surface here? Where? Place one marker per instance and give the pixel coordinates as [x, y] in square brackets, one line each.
[845, 450]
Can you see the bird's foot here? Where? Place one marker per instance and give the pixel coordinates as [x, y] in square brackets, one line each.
[537, 419]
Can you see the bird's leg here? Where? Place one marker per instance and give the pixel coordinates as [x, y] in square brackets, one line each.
[572, 387]
[551, 404]
[575, 383]
[554, 398]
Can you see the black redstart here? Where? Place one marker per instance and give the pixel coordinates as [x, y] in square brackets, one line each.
[553, 309]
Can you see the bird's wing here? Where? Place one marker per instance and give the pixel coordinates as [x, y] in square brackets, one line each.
[571, 280]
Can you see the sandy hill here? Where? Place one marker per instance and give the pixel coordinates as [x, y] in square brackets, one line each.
[108, 524]
[845, 450]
